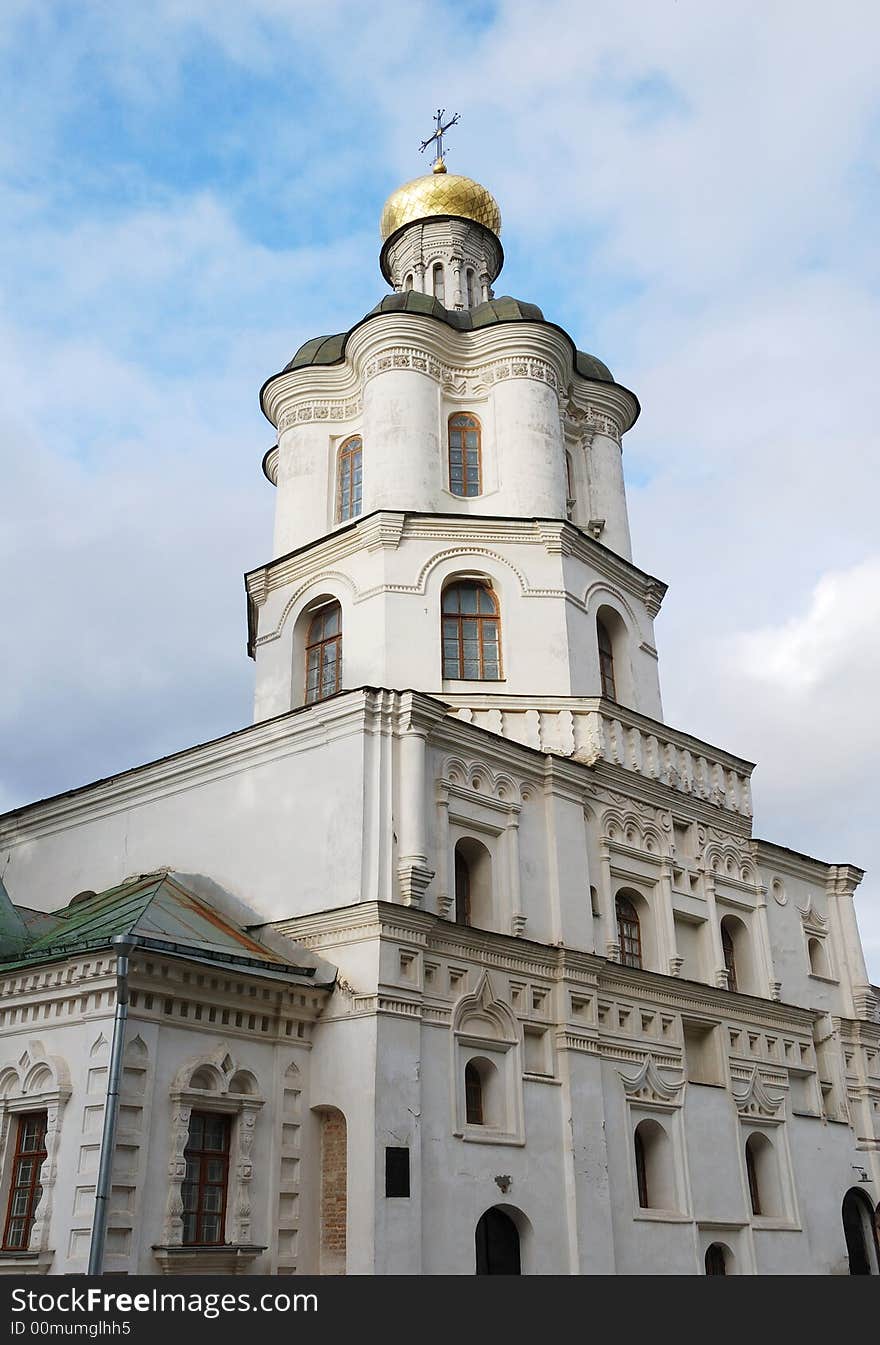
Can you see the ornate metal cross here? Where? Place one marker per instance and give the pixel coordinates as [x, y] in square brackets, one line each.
[439, 133]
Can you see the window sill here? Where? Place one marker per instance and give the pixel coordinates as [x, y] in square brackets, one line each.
[454, 684]
[25, 1263]
[825, 980]
[774, 1223]
[662, 1217]
[488, 1135]
[193, 1259]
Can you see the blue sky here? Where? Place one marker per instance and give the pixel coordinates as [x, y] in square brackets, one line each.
[191, 189]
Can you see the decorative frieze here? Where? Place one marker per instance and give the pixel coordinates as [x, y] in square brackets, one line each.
[590, 730]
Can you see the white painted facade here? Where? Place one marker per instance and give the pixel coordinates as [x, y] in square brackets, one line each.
[333, 826]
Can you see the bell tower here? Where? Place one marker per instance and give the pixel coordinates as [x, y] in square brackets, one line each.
[450, 512]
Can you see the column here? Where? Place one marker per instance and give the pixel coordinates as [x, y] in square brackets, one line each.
[412, 866]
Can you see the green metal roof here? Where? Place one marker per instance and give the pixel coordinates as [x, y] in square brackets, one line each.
[155, 908]
[331, 349]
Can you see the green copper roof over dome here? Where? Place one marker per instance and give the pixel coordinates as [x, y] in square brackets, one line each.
[331, 349]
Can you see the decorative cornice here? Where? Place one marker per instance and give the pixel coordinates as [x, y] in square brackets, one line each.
[649, 1086]
[465, 361]
[473, 536]
[755, 1102]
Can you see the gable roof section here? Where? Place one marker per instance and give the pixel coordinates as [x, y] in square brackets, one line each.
[162, 914]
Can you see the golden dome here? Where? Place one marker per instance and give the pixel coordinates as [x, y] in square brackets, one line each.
[439, 193]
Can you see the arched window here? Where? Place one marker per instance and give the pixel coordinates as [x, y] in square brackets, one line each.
[349, 479]
[473, 1094]
[324, 653]
[606, 661]
[408, 283]
[655, 1184]
[24, 1187]
[204, 1188]
[818, 958]
[716, 1259]
[470, 287]
[439, 283]
[629, 934]
[570, 498]
[752, 1174]
[641, 1170]
[737, 953]
[471, 630]
[465, 466]
[473, 883]
[462, 889]
[729, 955]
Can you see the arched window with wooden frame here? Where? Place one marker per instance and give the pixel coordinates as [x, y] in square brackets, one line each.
[324, 653]
[729, 953]
[349, 479]
[465, 455]
[471, 632]
[204, 1189]
[606, 661]
[629, 932]
[24, 1182]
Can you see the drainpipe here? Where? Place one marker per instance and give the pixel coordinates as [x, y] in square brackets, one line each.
[124, 944]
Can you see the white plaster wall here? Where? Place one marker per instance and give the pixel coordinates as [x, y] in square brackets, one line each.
[269, 818]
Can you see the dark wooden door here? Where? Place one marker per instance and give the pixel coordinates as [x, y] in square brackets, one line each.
[497, 1244]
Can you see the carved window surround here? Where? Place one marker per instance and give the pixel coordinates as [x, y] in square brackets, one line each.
[244, 1107]
[475, 812]
[52, 1101]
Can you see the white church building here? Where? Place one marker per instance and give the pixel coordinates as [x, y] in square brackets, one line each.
[458, 959]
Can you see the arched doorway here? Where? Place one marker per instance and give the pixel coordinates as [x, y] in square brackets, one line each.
[860, 1233]
[717, 1259]
[497, 1243]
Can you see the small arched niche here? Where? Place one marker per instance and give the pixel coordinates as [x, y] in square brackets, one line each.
[473, 883]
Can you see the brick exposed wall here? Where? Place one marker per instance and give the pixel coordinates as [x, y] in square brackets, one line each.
[334, 1183]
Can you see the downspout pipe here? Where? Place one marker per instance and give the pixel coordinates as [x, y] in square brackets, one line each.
[124, 945]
